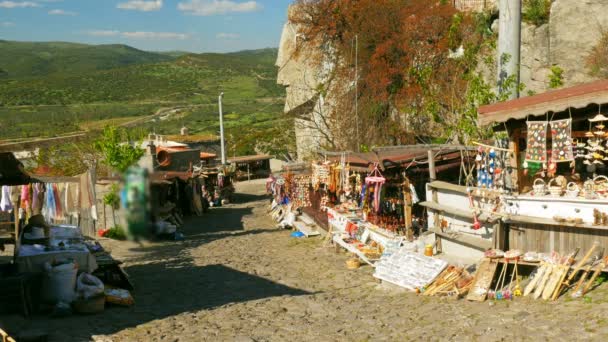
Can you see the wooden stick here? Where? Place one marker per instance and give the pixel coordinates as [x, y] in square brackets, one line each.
[490, 146]
[558, 288]
[541, 286]
[582, 280]
[566, 284]
[596, 273]
[532, 284]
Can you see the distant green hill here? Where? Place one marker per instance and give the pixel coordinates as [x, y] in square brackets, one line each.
[104, 87]
[26, 59]
[192, 77]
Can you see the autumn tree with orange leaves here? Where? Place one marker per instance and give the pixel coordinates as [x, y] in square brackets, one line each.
[409, 89]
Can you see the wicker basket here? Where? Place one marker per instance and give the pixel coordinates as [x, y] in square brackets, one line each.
[572, 190]
[353, 263]
[600, 188]
[555, 190]
[589, 189]
[539, 187]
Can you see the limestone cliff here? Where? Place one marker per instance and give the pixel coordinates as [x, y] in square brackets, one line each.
[574, 28]
[303, 76]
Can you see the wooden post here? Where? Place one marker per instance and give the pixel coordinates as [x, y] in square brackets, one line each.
[248, 173]
[16, 201]
[517, 176]
[407, 204]
[432, 172]
[435, 199]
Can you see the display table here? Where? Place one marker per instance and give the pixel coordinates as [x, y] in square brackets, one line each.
[31, 258]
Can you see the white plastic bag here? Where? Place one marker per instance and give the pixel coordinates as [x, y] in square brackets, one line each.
[88, 286]
[59, 283]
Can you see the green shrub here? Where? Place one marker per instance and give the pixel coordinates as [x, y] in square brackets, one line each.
[556, 79]
[116, 233]
[536, 11]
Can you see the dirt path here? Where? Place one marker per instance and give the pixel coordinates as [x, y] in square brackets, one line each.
[237, 278]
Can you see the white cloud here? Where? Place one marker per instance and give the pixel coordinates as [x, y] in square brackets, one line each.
[103, 33]
[141, 5]
[227, 36]
[18, 4]
[154, 35]
[7, 24]
[214, 7]
[61, 12]
[138, 34]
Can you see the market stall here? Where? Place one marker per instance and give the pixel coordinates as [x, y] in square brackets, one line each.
[48, 254]
[368, 202]
[559, 198]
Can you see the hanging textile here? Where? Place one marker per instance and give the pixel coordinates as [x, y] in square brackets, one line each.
[561, 144]
[57, 202]
[5, 201]
[376, 180]
[536, 150]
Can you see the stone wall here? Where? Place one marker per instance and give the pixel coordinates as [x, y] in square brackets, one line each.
[574, 28]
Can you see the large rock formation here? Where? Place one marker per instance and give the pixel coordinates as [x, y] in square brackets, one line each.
[303, 76]
[574, 28]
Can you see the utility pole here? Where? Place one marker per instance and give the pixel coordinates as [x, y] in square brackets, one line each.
[357, 90]
[223, 148]
[509, 42]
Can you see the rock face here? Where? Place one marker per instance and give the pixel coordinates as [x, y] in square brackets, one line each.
[574, 28]
[303, 77]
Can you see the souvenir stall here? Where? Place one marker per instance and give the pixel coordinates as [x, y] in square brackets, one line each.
[217, 187]
[368, 199]
[52, 261]
[549, 207]
[558, 141]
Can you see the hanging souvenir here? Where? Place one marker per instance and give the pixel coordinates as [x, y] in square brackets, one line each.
[537, 141]
[375, 179]
[561, 144]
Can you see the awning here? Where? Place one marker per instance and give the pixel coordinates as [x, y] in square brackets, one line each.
[248, 159]
[560, 100]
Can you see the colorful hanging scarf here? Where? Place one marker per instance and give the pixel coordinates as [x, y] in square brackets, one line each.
[57, 202]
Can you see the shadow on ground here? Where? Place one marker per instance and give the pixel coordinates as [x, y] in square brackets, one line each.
[169, 283]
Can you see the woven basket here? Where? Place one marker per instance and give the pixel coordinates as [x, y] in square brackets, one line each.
[539, 187]
[600, 188]
[572, 190]
[555, 190]
[353, 263]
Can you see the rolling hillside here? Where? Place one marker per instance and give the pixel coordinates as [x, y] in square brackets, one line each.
[101, 90]
[26, 59]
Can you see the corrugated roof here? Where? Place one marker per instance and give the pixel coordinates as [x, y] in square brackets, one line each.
[248, 159]
[579, 96]
[400, 155]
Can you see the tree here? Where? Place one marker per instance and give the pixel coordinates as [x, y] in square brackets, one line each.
[409, 87]
[117, 153]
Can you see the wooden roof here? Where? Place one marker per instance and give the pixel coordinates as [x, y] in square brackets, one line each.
[559, 100]
[249, 159]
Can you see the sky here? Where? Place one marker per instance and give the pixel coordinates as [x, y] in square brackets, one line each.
[153, 25]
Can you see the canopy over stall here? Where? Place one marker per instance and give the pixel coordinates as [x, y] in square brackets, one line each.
[577, 97]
